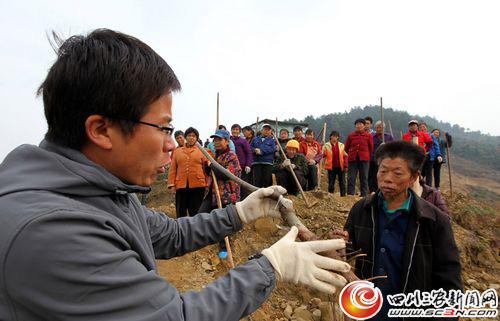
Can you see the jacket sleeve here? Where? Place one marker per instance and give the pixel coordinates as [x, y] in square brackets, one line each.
[231, 146]
[87, 271]
[428, 142]
[171, 238]
[370, 144]
[446, 268]
[347, 144]
[248, 153]
[435, 146]
[172, 172]
[319, 155]
[277, 164]
[440, 202]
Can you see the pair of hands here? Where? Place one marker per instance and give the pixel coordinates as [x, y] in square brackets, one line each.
[297, 262]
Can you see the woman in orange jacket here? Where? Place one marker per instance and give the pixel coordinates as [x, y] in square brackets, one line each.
[336, 162]
[187, 176]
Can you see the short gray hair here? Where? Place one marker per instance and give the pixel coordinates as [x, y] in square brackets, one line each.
[379, 123]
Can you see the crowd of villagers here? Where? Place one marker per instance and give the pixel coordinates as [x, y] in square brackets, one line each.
[255, 157]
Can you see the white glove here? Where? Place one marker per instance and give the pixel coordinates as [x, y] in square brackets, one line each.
[287, 163]
[440, 159]
[298, 262]
[293, 166]
[259, 204]
[258, 151]
[312, 162]
[247, 169]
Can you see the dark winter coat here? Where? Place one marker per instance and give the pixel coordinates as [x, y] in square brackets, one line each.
[267, 146]
[377, 141]
[430, 257]
[433, 196]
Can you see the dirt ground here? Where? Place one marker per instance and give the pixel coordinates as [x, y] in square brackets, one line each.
[476, 225]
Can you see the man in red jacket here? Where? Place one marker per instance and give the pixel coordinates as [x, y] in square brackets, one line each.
[359, 147]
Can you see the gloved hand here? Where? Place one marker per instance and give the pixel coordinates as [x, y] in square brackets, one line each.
[293, 166]
[287, 163]
[259, 204]
[440, 159]
[298, 262]
[258, 151]
[311, 162]
[247, 169]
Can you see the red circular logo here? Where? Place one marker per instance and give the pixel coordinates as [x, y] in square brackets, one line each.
[360, 300]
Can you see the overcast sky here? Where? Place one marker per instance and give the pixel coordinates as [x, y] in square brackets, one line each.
[274, 58]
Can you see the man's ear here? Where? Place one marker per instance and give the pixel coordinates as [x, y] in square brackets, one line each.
[414, 178]
[97, 128]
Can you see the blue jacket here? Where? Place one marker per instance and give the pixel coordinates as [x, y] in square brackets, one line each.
[435, 150]
[267, 146]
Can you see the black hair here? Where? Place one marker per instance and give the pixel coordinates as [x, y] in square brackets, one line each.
[420, 124]
[236, 126]
[192, 130]
[413, 154]
[310, 131]
[284, 130]
[178, 133]
[369, 118]
[222, 127]
[334, 133]
[297, 128]
[360, 120]
[105, 73]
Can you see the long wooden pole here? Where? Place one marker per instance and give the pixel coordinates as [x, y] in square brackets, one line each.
[217, 121]
[256, 126]
[449, 164]
[219, 202]
[382, 119]
[320, 169]
[219, 205]
[309, 205]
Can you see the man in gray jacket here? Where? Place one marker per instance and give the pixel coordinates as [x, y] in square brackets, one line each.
[76, 244]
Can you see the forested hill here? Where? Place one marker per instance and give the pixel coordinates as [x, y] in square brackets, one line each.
[472, 145]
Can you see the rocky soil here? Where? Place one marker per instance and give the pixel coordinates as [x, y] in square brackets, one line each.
[476, 226]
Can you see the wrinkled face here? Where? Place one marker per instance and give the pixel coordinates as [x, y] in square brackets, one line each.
[191, 139]
[413, 127]
[368, 124]
[180, 140]
[436, 133]
[291, 152]
[284, 134]
[140, 157]
[235, 132]
[378, 129]
[394, 177]
[297, 134]
[359, 127]
[220, 143]
[334, 139]
[266, 131]
[423, 128]
[310, 137]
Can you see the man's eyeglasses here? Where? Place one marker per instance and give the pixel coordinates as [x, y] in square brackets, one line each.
[168, 130]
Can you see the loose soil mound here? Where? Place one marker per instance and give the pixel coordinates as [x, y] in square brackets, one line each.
[476, 227]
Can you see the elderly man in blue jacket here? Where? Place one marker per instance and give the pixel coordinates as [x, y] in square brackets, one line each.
[75, 242]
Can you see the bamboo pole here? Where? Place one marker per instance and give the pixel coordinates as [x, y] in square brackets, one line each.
[219, 205]
[382, 119]
[448, 156]
[219, 202]
[309, 205]
[401, 133]
[217, 120]
[256, 126]
[321, 162]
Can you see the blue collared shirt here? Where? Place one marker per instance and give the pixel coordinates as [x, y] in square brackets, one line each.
[390, 243]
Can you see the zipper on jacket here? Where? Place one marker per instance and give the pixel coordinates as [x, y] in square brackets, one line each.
[373, 243]
[411, 257]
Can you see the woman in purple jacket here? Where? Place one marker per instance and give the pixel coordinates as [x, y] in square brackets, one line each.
[245, 157]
